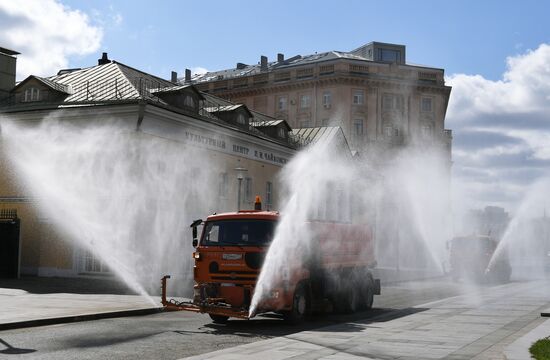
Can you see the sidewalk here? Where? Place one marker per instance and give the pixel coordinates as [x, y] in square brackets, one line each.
[462, 327]
[33, 301]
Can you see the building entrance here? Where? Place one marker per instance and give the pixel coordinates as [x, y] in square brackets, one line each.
[9, 243]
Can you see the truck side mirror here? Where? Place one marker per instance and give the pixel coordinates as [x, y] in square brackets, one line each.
[193, 226]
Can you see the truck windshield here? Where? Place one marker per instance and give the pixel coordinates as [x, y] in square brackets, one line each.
[246, 232]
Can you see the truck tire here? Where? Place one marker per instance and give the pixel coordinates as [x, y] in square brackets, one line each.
[368, 298]
[301, 305]
[219, 319]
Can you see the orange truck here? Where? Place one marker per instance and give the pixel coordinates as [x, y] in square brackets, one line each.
[336, 269]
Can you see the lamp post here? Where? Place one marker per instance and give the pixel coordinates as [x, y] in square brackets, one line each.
[240, 176]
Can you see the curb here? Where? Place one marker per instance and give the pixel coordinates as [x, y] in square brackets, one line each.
[79, 318]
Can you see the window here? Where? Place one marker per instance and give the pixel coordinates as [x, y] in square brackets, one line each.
[426, 105]
[392, 102]
[248, 189]
[390, 55]
[389, 131]
[305, 101]
[241, 119]
[269, 194]
[91, 263]
[282, 103]
[305, 123]
[427, 131]
[281, 132]
[324, 122]
[358, 97]
[327, 98]
[243, 232]
[189, 101]
[222, 190]
[32, 94]
[358, 127]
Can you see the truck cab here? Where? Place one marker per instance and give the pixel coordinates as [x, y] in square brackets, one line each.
[228, 260]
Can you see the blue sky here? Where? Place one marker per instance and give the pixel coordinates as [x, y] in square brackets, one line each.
[472, 37]
[496, 56]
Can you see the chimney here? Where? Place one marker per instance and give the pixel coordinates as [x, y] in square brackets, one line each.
[280, 57]
[104, 59]
[174, 77]
[240, 66]
[8, 62]
[187, 75]
[263, 63]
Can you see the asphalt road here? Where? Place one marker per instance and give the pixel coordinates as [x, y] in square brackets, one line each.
[179, 334]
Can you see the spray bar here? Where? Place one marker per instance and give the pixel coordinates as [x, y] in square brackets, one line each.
[216, 308]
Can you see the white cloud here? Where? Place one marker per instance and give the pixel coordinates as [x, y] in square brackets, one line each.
[502, 129]
[47, 34]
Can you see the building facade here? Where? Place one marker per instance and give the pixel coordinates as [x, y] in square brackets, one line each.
[378, 99]
[241, 147]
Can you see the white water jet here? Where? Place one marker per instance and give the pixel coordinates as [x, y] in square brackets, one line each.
[407, 201]
[125, 196]
[308, 180]
[526, 240]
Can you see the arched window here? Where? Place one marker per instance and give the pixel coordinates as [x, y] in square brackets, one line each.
[32, 94]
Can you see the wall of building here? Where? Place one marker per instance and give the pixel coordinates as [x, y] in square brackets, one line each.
[46, 251]
[409, 83]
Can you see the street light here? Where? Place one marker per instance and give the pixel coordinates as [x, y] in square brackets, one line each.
[240, 176]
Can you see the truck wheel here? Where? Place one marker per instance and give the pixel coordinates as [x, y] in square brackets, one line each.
[300, 306]
[369, 293]
[219, 319]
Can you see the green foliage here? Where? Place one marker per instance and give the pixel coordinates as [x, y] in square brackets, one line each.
[540, 350]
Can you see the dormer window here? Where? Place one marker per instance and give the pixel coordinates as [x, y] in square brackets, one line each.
[241, 119]
[281, 132]
[32, 94]
[189, 101]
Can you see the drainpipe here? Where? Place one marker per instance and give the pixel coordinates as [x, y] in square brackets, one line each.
[141, 113]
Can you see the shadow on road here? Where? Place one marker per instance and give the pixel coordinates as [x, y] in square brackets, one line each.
[11, 350]
[271, 325]
[50, 285]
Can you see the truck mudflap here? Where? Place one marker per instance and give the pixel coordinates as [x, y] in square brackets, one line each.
[214, 306]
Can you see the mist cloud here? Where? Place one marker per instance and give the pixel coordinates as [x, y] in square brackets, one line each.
[47, 34]
[502, 129]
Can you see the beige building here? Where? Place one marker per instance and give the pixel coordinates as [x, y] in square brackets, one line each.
[378, 99]
[242, 147]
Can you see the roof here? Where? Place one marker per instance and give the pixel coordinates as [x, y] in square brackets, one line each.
[223, 108]
[8, 51]
[317, 134]
[259, 215]
[291, 62]
[269, 123]
[112, 81]
[176, 88]
[47, 82]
